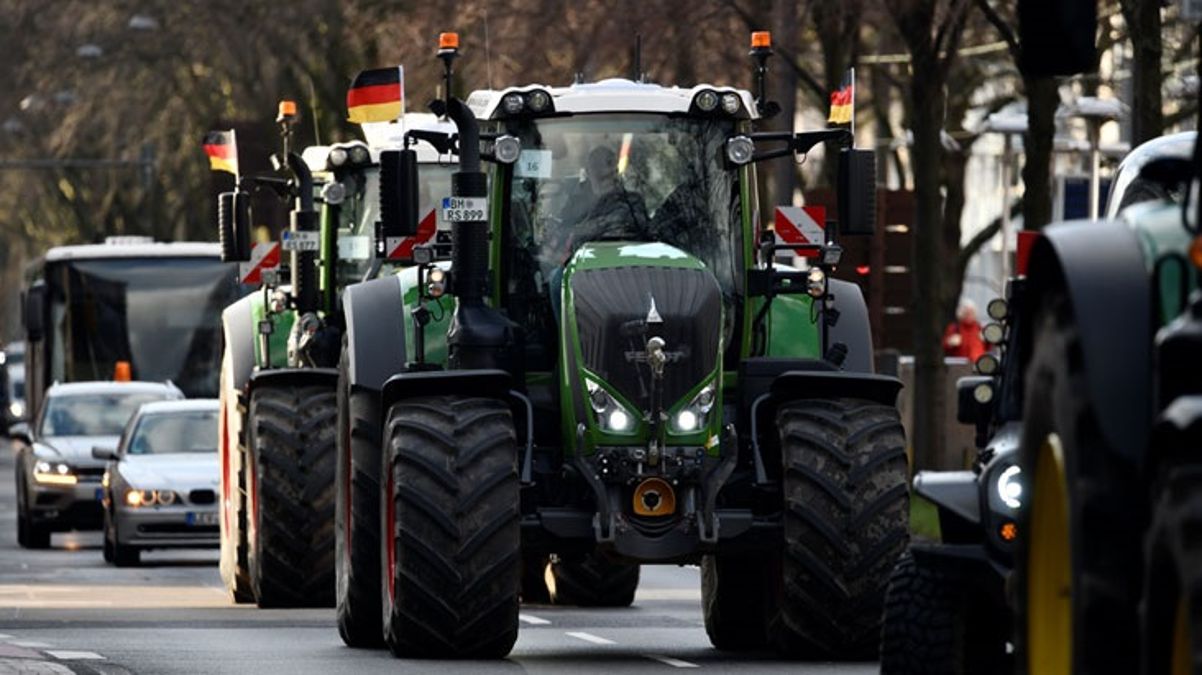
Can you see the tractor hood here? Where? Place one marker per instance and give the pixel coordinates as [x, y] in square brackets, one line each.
[620, 295]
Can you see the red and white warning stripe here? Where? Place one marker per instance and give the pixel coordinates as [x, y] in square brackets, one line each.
[401, 248]
[263, 256]
[801, 225]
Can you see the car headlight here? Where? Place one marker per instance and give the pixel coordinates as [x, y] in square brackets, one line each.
[611, 415]
[136, 498]
[1010, 487]
[695, 415]
[16, 409]
[53, 473]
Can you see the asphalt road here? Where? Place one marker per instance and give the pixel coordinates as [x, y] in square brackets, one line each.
[64, 610]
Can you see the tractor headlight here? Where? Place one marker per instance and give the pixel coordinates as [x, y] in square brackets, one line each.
[16, 409]
[816, 282]
[436, 283]
[740, 150]
[507, 149]
[333, 193]
[1010, 487]
[707, 101]
[611, 415]
[513, 103]
[360, 154]
[695, 415]
[53, 473]
[731, 103]
[338, 157]
[538, 100]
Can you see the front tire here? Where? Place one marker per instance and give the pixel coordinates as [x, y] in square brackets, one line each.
[124, 555]
[1170, 613]
[452, 550]
[29, 534]
[936, 623]
[734, 602]
[357, 513]
[593, 581]
[291, 552]
[845, 524]
[1076, 568]
[109, 536]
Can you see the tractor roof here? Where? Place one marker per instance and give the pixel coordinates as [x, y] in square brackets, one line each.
[388, 136]
[612, 95]
[134, 247]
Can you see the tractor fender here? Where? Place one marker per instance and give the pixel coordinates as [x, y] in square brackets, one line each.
[238, 326]
[852, 328]
[375, 332]
[795, 384]
[293, 377]
[954, 491]
[1102, 271]
[424, 383]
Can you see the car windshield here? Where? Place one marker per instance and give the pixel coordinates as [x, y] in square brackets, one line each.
[358, 214]
[635, 177]
[175, 432]
[92, 414]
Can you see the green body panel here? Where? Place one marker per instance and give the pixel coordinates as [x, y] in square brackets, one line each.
[441, 311]
[792, 327]
[1157, 226]
[328, 256]
[607, 255]
[278, 342]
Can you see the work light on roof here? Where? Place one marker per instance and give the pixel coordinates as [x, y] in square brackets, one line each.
[707, 100]
[731, 103]
[538, 100]
[513, 103]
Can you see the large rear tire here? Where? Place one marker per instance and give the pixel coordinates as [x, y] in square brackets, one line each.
[845, 524]
[233, 566]
[1076, 568]
[734, 602]
[593, 581]
[936, 623]
[293, 457]
[452, 551]
[357, 513]
[1171, 610]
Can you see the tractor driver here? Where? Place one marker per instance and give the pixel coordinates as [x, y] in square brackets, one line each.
[614, 213]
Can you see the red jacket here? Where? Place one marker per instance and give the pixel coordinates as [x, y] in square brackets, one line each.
[963, 338]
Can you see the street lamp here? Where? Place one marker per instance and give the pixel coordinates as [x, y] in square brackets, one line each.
[1096, 112]
[1009, 125]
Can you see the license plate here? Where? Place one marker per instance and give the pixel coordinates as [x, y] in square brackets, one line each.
[202, 518]
[300, 241]
[464, 209]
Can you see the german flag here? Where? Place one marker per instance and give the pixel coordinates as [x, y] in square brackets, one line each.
[843, 101]
[222, 149]
[376, 95]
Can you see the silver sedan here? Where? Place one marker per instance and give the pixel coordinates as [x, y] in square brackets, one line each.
[160, 487]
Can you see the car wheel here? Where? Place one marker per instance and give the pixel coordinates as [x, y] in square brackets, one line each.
[109, 536]
[123, 554]
[29, 534]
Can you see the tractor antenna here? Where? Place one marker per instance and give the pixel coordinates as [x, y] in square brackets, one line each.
[761, 51]
[487, 52]
[637, 75]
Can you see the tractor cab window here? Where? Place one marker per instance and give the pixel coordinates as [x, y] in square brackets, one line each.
[360, 210]
[625, 177]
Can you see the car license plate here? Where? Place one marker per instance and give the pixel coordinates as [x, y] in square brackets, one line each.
[209, 518]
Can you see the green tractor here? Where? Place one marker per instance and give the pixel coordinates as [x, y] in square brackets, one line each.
[612, 370]
[1109, 563]
[279, 369]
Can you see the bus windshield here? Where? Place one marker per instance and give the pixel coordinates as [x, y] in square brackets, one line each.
[161, 314]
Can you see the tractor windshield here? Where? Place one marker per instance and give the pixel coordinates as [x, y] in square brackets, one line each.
[359, 212]
[638, 177]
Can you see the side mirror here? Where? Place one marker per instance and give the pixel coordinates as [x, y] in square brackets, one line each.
[33, 312]
[398, 199]
[233, 223]
[857, 191]
[107, 454]
[21, 432]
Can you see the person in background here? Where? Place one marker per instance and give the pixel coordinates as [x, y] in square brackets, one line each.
[963, 336]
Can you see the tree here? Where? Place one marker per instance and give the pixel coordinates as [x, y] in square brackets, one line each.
[1147, 109]
[931, 31]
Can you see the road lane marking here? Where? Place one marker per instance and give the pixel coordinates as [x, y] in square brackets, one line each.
[30, 643]
[675, 663]
[533, 620]
[65, 655]
[589, 637]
